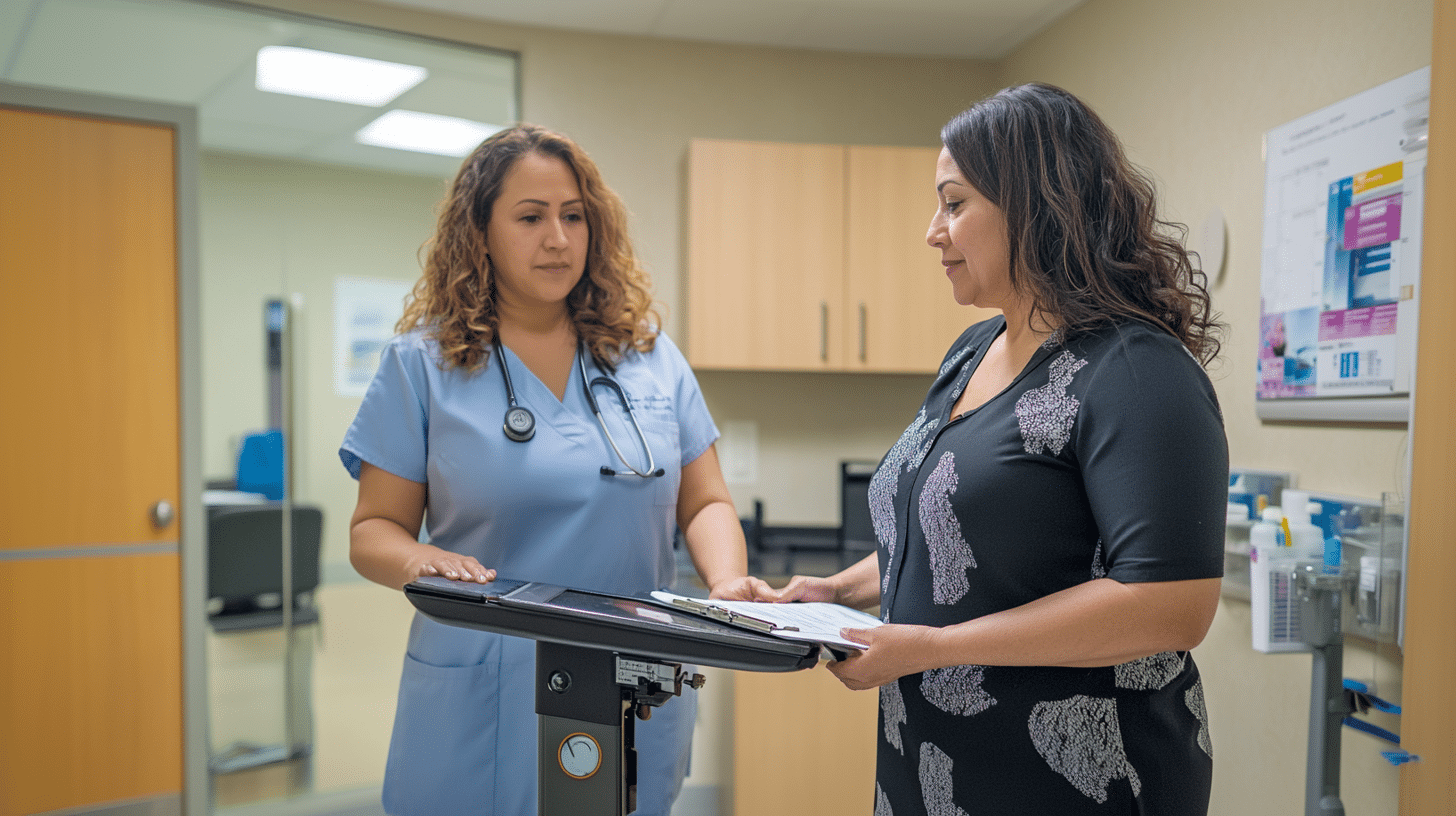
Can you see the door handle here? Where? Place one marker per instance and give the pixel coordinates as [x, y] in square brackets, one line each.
[162, 513]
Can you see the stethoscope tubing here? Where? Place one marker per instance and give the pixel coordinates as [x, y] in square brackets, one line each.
[520, 424]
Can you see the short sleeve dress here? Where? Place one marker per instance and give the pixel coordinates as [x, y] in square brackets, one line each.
[1106, 457]
[464, 739]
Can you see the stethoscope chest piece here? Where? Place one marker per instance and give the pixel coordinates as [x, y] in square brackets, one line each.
[520, 424]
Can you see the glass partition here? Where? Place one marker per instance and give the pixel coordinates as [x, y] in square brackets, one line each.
[310, 230]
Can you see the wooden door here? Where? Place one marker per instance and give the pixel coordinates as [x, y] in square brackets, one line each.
[91, 685]
[765, 255]
[900, 313]
[1428, 727]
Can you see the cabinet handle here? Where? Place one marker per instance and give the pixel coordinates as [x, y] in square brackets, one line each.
[862, 321]
[824, 331]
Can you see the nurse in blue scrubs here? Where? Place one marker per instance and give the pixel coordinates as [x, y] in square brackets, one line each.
[529, 421]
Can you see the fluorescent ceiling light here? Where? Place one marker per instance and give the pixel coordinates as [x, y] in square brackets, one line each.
[339, 77]
[425, 133]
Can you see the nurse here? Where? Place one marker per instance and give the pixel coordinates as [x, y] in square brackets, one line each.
[481, 428]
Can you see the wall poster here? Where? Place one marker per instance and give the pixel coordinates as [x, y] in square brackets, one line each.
[365, 311]
[1341, 257]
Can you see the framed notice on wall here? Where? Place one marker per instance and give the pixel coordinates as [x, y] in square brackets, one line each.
[1341, 262]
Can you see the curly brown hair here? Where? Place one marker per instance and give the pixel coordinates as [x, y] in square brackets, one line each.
[455, 299]
[1086, 243]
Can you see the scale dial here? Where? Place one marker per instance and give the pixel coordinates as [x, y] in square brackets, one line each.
[580, 755]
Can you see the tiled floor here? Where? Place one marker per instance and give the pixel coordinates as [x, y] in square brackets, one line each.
[356, 652]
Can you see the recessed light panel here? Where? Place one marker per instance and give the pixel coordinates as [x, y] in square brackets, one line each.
[339, 77]
[425, 133]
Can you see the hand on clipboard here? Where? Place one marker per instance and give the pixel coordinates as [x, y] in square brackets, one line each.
[816, 622]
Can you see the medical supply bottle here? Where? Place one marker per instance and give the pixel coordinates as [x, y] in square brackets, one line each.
[1308, 540]
[1273, 605]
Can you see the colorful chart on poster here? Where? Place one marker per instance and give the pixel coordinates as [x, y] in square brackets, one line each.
[1342, 248]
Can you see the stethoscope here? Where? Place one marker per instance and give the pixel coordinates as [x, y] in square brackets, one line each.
[520, 423]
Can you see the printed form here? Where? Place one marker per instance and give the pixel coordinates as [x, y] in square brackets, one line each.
[816, 622]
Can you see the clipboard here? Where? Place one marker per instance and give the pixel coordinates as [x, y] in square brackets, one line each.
[807, 622]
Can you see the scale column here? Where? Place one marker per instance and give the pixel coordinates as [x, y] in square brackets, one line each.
[587, 765]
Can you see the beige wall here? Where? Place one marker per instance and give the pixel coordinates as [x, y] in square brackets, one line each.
[286, 229]
[1191, 87]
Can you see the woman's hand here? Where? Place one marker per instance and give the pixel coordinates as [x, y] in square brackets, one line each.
[454, 566]
[807, 588]
[745, 588]
[891, 652]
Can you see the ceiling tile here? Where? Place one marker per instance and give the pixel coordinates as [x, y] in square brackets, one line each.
[608, 16]
[14, 17]
[159, 52]
[451, 95]
[344, 150]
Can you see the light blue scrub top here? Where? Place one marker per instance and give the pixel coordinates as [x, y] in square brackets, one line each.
[464, 738]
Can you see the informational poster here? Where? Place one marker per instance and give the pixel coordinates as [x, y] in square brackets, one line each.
[1341, 256]
[365, 312]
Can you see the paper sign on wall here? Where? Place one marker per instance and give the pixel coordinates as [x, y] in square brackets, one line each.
[1342, 249]
[365, 312]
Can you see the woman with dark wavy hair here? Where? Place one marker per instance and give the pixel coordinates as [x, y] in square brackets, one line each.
[1051, 524]
[479, 429]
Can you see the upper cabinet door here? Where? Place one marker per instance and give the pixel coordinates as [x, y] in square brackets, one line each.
[898, 307]
[765, 255]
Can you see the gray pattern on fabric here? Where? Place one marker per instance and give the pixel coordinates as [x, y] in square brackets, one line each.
[882, 802]
[1193, 698]
[950, 555]
[936, 782]
[1149, 673]
[1046, 413]
[907, 453]
[955, 360]
[1079, 738]
[957, 690]
[892, 708]
[1099, 569]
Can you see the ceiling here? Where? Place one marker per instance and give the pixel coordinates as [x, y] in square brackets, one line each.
[968, 29]
[202, 55]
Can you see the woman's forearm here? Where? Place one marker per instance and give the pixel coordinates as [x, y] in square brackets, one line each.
[1099, 623]
[858, 585]
[715, 544]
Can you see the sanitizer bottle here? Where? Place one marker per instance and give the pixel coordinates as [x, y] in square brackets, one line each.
[1274, 608]
[1309, 540]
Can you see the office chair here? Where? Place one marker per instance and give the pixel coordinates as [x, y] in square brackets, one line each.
[244, 565]
[260, 464]
[245, 593]
[856, 530]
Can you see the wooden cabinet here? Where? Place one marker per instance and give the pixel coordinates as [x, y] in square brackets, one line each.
[806, 257]
[802, 744]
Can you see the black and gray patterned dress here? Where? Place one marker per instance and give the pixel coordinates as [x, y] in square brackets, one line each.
[1106, 457]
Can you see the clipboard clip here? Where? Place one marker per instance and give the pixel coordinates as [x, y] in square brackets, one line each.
[728, 616]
